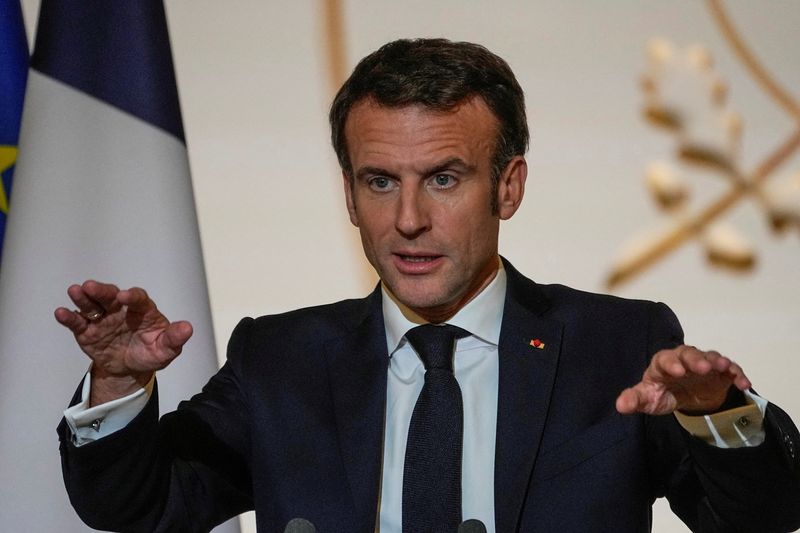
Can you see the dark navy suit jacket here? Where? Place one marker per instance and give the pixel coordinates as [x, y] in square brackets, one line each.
[292, 426]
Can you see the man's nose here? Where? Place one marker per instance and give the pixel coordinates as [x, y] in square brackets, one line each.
[412, 217]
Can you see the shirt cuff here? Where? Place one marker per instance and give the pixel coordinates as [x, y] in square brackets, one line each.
[91, 423]
[734, 428]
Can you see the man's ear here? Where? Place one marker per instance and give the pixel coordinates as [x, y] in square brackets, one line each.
[511, 187]
[348, 196]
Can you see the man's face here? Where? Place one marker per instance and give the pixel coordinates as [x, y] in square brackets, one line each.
[421, 197]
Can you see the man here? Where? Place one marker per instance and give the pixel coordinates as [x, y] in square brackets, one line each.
[560, 400]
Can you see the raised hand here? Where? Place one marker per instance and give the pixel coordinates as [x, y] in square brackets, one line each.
[124, 334]
[684, 379]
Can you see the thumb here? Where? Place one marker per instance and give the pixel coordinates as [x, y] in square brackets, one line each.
[628, 401]
[174, 337]
[645, 398]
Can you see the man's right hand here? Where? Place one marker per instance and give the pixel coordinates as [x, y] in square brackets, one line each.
[124, 334]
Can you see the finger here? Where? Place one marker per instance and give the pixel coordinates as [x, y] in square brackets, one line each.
[136, 299]
[628, 402]
[719, 362]
[175, 336]
[722, 365]
[666, 364]
[83, 300]
[677, 362]
[102, 294]
[71, 320]
[76, 294]
[644, 399]
[701, 363]
[740, 380]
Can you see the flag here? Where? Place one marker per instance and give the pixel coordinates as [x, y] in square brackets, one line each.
[102, 191]
[14, 69]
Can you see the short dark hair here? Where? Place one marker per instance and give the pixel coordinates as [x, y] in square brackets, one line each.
[438, 74]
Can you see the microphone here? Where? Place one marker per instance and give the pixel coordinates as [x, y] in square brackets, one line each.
[471, 526]
[301, 525]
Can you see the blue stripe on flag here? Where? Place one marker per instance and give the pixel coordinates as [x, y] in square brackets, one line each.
[14, 69]
[115, 50]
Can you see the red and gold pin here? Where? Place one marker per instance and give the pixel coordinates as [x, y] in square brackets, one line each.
[538, 344]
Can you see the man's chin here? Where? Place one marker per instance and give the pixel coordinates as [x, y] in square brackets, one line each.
[416, 302]
[423, 304]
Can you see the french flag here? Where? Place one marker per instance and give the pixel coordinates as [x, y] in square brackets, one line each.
[102, 191]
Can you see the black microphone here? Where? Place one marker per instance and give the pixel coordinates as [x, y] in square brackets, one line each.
[471, 526]
[301, 525]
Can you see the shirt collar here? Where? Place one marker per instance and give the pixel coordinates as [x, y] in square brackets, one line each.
[482, 316]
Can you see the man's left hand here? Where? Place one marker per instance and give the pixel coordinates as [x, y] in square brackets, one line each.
[683, 379]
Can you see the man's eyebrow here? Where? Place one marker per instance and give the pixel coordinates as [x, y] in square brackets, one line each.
[363, 172]
[453, 163]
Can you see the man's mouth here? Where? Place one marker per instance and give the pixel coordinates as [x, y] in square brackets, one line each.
[417, 258]
[417, 263]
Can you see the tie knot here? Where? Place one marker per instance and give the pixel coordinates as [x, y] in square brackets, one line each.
[435, 344]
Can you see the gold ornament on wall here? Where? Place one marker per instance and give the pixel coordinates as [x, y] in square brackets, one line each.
[686, 97]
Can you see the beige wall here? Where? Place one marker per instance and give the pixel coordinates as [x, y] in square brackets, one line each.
[255, 90]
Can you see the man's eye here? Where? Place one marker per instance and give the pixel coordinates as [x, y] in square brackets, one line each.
[380, 183]
[443, 181]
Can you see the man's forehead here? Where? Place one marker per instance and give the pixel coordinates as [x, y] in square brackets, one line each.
[418, 139]
[369, 114]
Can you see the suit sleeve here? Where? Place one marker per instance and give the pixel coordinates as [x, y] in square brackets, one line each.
[719, 490]
[187, 472]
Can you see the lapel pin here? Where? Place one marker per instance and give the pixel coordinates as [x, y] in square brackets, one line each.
[538, 344]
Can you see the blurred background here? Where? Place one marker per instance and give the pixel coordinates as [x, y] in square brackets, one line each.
[256, 78]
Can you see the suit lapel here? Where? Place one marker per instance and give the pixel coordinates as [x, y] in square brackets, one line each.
[527, 374]
[358, 364]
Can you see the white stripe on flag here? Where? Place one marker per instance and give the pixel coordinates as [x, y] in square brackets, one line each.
[98, 194]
